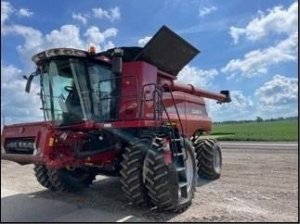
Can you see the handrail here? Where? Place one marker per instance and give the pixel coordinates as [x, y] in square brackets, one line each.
[175, 105]
[159, 93]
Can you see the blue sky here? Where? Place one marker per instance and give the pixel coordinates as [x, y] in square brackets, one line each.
[248, 47]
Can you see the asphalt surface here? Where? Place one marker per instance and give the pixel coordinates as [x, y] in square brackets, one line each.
[259, 182]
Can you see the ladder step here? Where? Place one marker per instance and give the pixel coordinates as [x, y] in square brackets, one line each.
[182, 184]
[178, 169]
[176, 140]
[178, 154]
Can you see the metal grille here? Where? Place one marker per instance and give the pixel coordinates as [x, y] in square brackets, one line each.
[19, 145]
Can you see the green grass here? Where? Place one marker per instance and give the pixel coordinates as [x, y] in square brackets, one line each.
[257, 131]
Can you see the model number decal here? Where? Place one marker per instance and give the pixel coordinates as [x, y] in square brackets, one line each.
[196, 111]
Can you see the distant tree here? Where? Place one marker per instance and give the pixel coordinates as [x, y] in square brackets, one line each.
[259, 119]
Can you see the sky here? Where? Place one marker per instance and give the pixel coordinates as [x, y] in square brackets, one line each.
[247, 47]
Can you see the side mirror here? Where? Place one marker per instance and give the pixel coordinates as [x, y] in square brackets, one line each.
[29, 80]
[117, 60]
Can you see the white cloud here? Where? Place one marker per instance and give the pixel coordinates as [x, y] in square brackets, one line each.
[197, 77]
[257, 62]
[115, 13]
[80, 17]
[204, 11]
[143, 41]
[235, 33]
[277, 97]
[66, 36]
[110, 32]
[6, 10]
[95, 37]
[16, 105]
[25, 12]
[277, 20]
[240, 107]
[111, 14]
[108, 45]
[278, 91]
[33, 42]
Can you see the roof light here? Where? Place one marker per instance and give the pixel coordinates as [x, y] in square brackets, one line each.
[92, 50]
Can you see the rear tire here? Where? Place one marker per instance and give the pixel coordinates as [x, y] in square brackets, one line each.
[132, 169]
[41, 174]
[162, 181]
[70, 181]
[209, 158]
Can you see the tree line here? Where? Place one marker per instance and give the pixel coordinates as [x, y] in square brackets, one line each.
[259, 119]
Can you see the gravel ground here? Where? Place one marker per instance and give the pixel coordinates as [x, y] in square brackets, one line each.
[256, 185]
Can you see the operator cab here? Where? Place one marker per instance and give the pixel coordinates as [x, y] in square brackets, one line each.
[76, 86]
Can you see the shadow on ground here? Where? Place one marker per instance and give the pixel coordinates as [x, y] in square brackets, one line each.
[103, 201]
[202, 181]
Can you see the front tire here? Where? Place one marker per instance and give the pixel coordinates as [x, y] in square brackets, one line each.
[162, 180]
[41, 174]
[65, 180]
[132, 169]
[209, 158]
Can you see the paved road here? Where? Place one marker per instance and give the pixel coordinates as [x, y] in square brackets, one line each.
[259, 182]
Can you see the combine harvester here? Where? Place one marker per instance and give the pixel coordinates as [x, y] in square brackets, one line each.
[119, 112]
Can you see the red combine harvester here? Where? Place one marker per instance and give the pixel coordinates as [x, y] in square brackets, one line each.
[119, 112]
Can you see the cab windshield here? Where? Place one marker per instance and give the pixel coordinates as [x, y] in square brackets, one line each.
[71, 89]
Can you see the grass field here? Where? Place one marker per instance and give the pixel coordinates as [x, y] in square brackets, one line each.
[257, 131]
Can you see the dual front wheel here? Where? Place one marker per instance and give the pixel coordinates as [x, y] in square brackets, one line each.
[170, 186]
[147, 177]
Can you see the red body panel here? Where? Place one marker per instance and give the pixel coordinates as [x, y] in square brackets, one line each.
[137, 106]
[135, 76]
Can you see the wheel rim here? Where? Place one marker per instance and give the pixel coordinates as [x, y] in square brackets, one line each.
[189, 171]
[217, 161]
